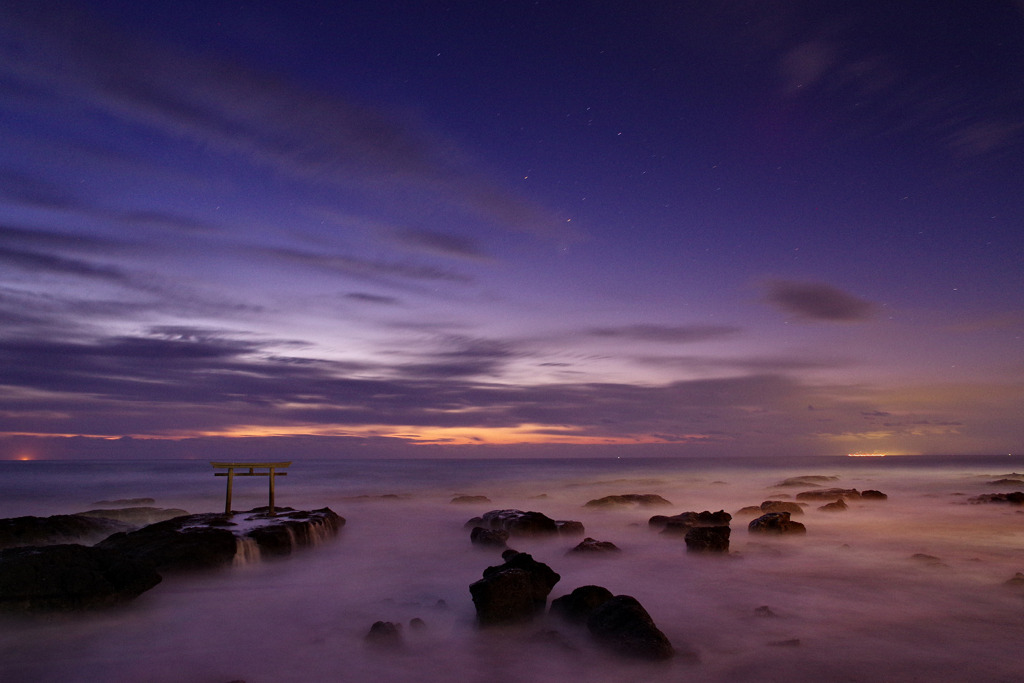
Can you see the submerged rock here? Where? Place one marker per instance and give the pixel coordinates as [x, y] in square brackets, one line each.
[515, 591]
[835, 506]
[519, 523]
[628, 499]
[384, 634]
[775, 523]
[69, 577]
[467, 500]
[494, 538]
[829, 494]
[57, 529]
[871, 494]
[590, 546]
[1015, 498]
[806, 480]
[622, 625]
[684, 521]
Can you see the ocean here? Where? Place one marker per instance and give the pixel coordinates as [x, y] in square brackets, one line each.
[910, 588]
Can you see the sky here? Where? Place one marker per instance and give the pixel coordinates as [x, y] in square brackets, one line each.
[730, 227]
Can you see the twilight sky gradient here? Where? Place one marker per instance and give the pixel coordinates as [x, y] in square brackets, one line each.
[728, 227]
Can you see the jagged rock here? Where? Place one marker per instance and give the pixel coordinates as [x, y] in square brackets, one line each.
[57, 529]
[384, 634]
[776, 523]
[707, 539]
[578, 605]
[494, 538]
[590, 546]
[136, 516]
[836, 506]
[570, 528]
[872, 494]
[681, 523]
[514, 591]
[628, 499]
[69, 577]
[765, 611]
[519, 523]
[1015, 498]
[466, 500]
[829, 494]
[624, 626]
[210, 540]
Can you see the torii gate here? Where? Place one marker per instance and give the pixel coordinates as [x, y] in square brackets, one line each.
[271, 471]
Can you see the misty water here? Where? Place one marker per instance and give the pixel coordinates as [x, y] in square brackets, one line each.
[851, 600]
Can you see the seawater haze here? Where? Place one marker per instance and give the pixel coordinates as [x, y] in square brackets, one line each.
[909, 588]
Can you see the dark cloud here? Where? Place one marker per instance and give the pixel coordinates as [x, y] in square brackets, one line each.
[679, 334]
[440, 243]
[366, 298]
[818, 301]
[40, 263]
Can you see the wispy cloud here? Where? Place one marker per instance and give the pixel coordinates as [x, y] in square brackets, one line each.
[674, 334]
[818, 301]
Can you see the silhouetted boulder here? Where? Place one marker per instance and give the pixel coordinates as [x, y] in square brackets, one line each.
[493, 538]
[519, 523]
[707, 539]
[775, 523]
[570, 528]
[622, 625]
[829, 494]
[69, 577]
[384, 634]
[514, 591]
[1015, 498]
[578, 605]
[590, 546]
[872, 494]
[467, 500]
[57, 529]
[835, 506]
[684, 521]
[628, 499]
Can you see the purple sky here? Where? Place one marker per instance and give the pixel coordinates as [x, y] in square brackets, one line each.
[730, 227]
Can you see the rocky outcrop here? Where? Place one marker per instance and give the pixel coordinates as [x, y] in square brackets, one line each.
[578, 605]
[836, 506]
[490, 538]
[385, 635]
[519, 523]
[707, 539]
[622, 625]
[829, 494]
[776, 523]
[1015, 498]
[210, 540]
[69, 577]
[628, 500]
[589, 546]
[684, 521]
[512, 592]
[871, 494]
[136, 516]
[58, 529]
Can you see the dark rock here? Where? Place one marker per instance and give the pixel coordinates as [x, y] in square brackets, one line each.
[210, 540]
[590, 546]
[765, 611]
[581, 603]
[872, 494]
[681, 523]
[384, 634]
[750, 510]
[1015, 498]
[493, 538]
[628, 499]
[776, 523]
[1017, 581]
[791, 642]
[928, 560]
[570, 528]
[417, 624]
[514, 591]
[624, 626]
[806, 480]
[835, 506]
[519, 523]
[69, 577]
[782, 506]
[136, 516]
[58, 529]
[470, 500]
[707, 539]
[1005, 482]
[829, 494]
